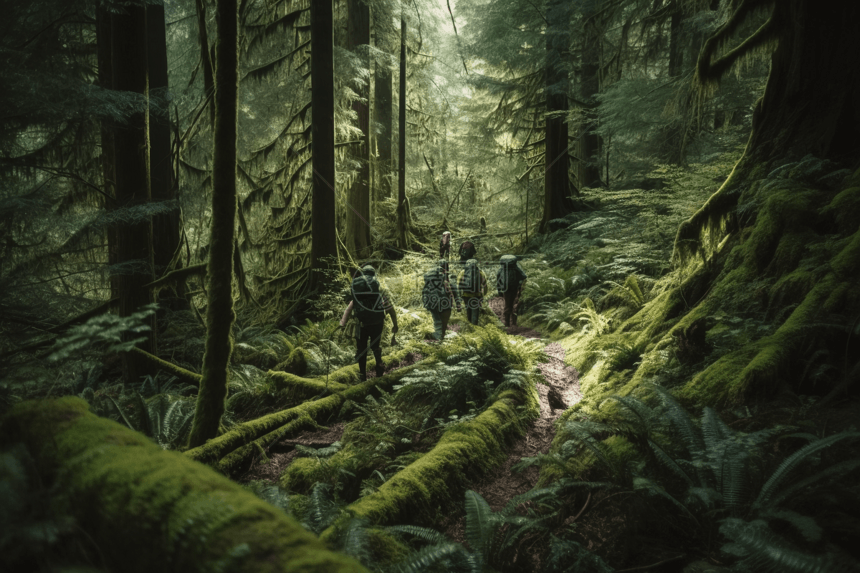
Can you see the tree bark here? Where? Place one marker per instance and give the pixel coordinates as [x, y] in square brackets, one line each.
[812, 100]
[588, 166]
[165, 228]
[219, 310]
[402, 205]
[108, 155]
[323, 237]
[383, 123]
[557, 202]
[134, 240]
[205, 56]
[358, 206]
[676, 50]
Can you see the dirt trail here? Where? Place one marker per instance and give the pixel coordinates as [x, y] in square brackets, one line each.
[559, 393]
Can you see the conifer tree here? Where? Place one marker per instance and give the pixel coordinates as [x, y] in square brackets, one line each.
[358, 201]
[134, 239]
[219, 310]
[324, 241]
[402, 203]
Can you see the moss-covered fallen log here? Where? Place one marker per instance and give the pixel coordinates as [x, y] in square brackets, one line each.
[185, 375]
[464, 450]
[292, 387]
[152, 510]
[273, 427]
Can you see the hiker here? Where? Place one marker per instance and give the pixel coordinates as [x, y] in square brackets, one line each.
[439, 298]
[445, 246]
[468, 250]
[510, 280]
[472, 286]
[370, 303]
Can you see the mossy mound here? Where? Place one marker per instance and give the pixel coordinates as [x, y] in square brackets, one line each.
[152, 510]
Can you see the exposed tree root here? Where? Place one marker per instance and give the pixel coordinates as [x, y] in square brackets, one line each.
[151, 510]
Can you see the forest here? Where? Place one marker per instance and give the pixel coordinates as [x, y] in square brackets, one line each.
[484, 286]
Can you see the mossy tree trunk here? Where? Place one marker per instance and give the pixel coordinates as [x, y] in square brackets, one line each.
[402, 204]
[810, 104]
[219, 309]
[108, 156]
[134, 239]
[165, 227]
[383, 123]
[588, 145]
[557, 202]
[323, 238]
[358, 206]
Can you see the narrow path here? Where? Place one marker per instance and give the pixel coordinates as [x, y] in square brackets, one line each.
[560, 392]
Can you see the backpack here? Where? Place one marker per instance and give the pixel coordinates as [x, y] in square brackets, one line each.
[468, 250]
[434, 296]
[471, 280]
[368, 305]
[508, 275]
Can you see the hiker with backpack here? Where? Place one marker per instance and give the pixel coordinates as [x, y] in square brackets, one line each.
[472, 286]
[370, 303]
[468, 250]
[439, 298]
[445, 246]
[510, 280]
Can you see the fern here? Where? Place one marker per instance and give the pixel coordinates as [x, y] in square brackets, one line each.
[104, 333]
[789, 464]
[322, 509]
[566, 556]
[763, 551]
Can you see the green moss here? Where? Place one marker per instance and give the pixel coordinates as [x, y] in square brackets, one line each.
[279, 425]
[152, 510]
[296, 363]
[463, 451]
[302, 474]
[386, 548]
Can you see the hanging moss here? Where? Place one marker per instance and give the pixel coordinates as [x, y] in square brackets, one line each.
[152, 510]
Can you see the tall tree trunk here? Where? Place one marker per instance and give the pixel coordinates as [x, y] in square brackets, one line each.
[219, 309]
[165, 228]
[358, 205]
[588, 167]
[402, 205]
[812, 100]
[383, 123]
[557, 201]
[676, 50]
[205, 55]
[324, 240]
[134, 240]
[108, 155]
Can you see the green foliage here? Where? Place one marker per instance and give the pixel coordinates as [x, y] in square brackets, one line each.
[105, 334]
[163, 418]
[567, 556]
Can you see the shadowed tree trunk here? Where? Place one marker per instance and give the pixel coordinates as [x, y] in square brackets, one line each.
[383, 121]
[324, 240]
[811, 103]
[165, 228]
[205, 55]
[134, 239]
[358, 205]
[219, 309]
[108, 157]
[588, 145]
[557, 201]
[402, 204]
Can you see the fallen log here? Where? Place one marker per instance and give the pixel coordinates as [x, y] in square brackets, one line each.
[273, 427]
[153, 510]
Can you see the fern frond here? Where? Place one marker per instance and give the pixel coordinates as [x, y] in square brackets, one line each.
[422, 533]
[426, 557]
[670, 463]
[824, 476]
[653, 488]
[790, 463]
[479, 524]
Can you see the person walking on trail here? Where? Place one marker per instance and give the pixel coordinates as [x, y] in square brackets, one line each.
[439, 298]
[445, 246]
[472, 285]
[468, 250]
[370, 303]
[510, 280]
